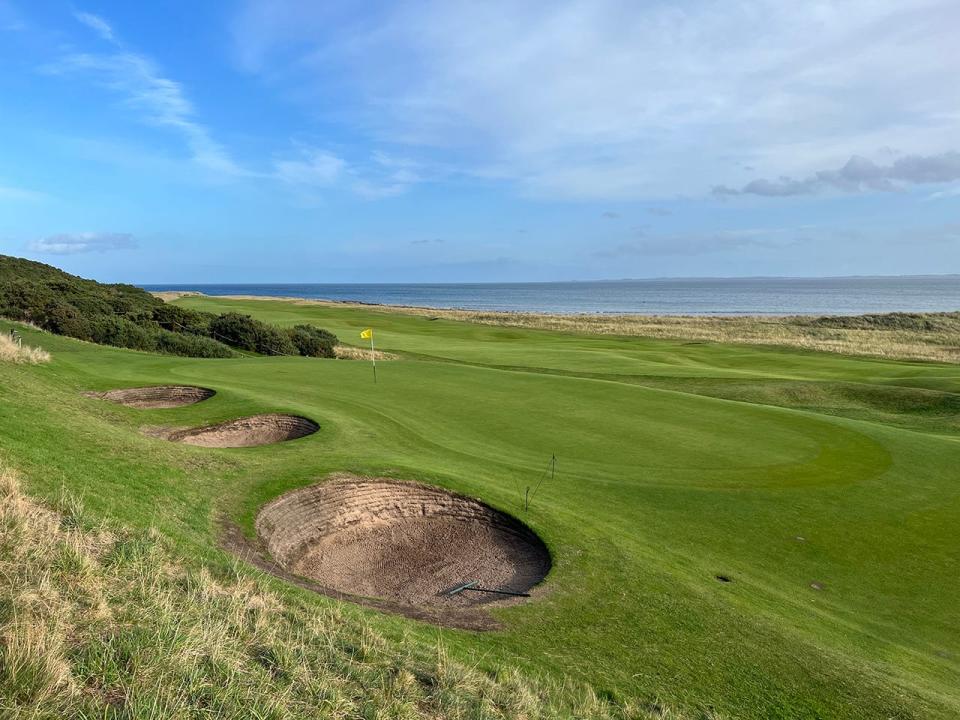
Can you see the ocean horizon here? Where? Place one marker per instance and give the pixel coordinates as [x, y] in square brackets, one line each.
[666, 296]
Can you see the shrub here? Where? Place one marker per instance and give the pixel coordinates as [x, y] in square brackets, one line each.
[313, 341]
[244, 332]
[182, 320]
[235, 329]
[273, 341]
[120, 332]
[192, 345]
[63, 319]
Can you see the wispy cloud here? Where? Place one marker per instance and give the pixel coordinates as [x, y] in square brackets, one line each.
[10, 18]
[163, 102]
[948, 193]
[97, 24]
[643, 99]
[85, 242]
[8, 192]
[312, 169]
[315, 168]
[159, 100]
[859, 174]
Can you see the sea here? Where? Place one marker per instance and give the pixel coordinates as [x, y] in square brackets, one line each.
[692, 296]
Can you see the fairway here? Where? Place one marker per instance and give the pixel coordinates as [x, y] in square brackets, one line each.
[824, 490]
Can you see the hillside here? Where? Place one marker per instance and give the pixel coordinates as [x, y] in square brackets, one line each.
[126, 316]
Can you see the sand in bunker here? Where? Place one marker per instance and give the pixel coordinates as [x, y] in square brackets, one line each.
[401, 541]
[157, 397]
[246, 432]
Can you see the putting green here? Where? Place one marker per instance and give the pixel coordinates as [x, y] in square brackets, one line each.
[825, 487]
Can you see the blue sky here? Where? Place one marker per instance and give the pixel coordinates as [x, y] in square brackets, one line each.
[282, 141]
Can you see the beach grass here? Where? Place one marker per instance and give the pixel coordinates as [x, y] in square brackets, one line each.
[14, 352]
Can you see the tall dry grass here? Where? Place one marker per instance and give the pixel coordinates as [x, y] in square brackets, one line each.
[11, 351]
[351, 352]
[99, 622]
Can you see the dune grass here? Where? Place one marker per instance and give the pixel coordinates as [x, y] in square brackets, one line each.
[823, 486]
[13, 352]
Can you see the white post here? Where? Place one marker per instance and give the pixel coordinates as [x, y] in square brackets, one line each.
[373, 358]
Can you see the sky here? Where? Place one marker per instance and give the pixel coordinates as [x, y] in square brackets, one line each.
[463, 141]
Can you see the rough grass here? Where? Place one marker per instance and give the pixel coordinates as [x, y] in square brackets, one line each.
[10, 351]
[350, 352]
[99, 622]
[905, 336]
[934, 336]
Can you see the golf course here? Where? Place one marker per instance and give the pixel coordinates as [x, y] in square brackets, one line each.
[734, 531]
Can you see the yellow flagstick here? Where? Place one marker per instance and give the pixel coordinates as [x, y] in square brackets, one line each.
[368, 333]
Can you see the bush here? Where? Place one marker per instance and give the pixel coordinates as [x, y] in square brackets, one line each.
[235, 330]
[181, 320]
[192, 345]
[313, 341]
[274, 341]
[120, 332]
[63, 319]
[244, 332]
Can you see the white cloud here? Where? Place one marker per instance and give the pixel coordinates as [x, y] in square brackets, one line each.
[317, 169]
[10, 20]
[85, 242]
[160, 100]
[8, 192]
[949, 192]
[618, 99]
[97, 24]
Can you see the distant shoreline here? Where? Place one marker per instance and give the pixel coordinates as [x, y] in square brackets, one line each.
[902, 336]
[168, 295]
[726, 297]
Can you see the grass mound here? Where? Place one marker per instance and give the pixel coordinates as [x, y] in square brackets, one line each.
[11, 351]
[101, 622]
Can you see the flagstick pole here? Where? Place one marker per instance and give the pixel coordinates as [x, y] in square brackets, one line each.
[373, 358]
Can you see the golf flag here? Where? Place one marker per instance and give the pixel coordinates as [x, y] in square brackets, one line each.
[368, 335]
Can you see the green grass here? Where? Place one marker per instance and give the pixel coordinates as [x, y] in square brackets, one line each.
[676, 462]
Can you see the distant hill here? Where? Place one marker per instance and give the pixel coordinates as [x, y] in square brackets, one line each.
[130, 317]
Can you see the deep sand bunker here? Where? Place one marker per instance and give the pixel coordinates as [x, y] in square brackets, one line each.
[246, 432]
[400, 541]
[158, 397]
